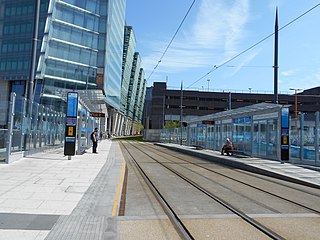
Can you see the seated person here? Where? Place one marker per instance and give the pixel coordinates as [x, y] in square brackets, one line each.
[227, 147]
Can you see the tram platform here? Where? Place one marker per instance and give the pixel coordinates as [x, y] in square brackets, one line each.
[285, 171]
[47, 196]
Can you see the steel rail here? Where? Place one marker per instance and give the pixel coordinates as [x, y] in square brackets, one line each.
[249, 185]
[236, 211]
[175, 220]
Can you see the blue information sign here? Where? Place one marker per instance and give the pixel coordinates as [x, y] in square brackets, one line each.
[71, 124]
[72, 107]
[285, 118]
[285, 133]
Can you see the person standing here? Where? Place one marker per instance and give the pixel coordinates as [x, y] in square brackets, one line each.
[94, 139]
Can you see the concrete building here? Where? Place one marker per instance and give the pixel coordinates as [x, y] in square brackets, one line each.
[163, 104]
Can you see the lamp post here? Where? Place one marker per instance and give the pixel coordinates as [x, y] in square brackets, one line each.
[163, 106]
[295, 105]
[181, 113]
[208, 83]
[250, 90]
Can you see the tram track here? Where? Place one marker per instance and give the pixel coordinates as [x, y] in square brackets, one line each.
[209, 194]
[255, 175]
[245, 183]
[173, 217]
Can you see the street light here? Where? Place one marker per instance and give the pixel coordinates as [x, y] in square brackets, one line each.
[181, 112]
[249, 89]
[208, 84]
[295, 105]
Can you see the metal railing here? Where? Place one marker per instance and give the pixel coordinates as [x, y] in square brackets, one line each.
[261, 141]
[43, 128]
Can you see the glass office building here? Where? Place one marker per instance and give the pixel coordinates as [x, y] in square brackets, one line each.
[128, 53]
[80, 50]
[133, 84]
[114, 51]
[80, 47]
[16, 34]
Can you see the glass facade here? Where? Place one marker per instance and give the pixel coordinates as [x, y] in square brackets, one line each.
[128, 53]
[77, 44]
[69, 49]
[254, 131]
[139, 92]
[134, 79]
[17, 24]
[114, 51]
[142, 98]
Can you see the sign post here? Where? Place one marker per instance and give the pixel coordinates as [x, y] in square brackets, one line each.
[71, 125]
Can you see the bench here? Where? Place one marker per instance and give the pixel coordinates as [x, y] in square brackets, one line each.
[237, 153]
[198, 147]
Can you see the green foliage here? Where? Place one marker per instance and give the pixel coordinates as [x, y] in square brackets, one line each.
[172, 124]
[138, 127]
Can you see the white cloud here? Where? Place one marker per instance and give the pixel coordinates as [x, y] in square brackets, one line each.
[212, 38]
[288, 73]
[300, 81]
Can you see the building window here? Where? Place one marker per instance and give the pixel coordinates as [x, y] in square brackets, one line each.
[2, 66]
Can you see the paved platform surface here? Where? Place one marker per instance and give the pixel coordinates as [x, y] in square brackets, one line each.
[286, 171]
[47, 196]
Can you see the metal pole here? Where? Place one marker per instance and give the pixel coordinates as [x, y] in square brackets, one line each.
[317, 138]
[34, 57]
[79, 150]
[229, 101]
[10, 126]
[30, 84]
[252, 133]
[181, 97]
[163, 105]
[296, 109]
[276, 67]
[301, 136]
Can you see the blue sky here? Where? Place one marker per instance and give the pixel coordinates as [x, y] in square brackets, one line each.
[217, 30]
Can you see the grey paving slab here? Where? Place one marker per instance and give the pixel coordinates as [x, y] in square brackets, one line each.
[27, 221]
[91, 218]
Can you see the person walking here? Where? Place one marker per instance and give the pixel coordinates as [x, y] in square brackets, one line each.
[227, 147]
[94, 139]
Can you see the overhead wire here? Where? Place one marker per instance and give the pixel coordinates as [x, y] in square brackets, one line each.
[215, 67]
[174, 36]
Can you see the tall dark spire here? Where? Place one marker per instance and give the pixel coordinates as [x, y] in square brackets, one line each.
[276, 67]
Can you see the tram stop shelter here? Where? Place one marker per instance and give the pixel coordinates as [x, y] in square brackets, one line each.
[257, 130]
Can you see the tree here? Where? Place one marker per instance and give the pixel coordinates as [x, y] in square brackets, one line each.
[138, 127]
[172, 124]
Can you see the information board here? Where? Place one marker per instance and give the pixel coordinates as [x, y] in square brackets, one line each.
[71, 124]
[285, 134]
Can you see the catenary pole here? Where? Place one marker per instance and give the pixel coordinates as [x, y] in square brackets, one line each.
[276, 67]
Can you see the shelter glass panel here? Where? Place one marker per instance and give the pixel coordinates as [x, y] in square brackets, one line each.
[272, 138]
